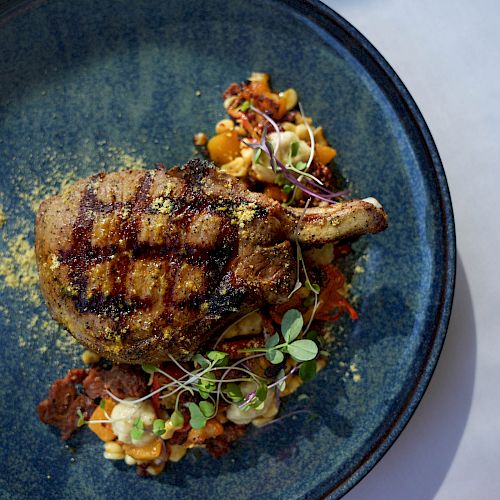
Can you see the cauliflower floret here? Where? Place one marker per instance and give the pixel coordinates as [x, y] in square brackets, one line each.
[125, 414]
[263, 170]
[258, 417]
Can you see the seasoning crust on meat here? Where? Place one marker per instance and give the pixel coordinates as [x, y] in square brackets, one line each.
[140, 265]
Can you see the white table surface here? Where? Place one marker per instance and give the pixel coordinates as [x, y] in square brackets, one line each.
[447, 52]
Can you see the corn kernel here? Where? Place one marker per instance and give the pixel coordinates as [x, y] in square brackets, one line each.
[177, 452]
[247, 155]
[200, 139]
[288, 126]
[301, 131]
[290, 97]
[113, 447]
[320, 364]
[299, 119]
[237, 167]
[224, 126]
[90, 357]
[114, 456]
[319, 136]
[292, 384]
[155, 469]
[130, 460]
[259, 77]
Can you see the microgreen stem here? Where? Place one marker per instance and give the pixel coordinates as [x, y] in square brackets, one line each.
[134, 401]
[273, 124]
[278, 382]
[311, 136]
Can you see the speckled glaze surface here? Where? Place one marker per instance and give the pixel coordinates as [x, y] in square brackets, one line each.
[96, 84]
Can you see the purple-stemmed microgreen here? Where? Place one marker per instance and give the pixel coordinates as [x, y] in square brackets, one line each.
[307, 182]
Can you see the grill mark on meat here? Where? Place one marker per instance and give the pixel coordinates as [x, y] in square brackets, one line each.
[214, 260]
[82, 255]
[81, 250]
[129, 231]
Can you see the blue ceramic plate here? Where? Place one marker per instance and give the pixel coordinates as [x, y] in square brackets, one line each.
[101, 84]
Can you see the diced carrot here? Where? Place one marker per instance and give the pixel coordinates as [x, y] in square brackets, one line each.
[324, 154]
[146, 452]
[224, 147]
[103, 431]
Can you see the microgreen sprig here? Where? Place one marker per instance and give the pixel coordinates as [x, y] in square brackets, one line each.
[137, 429]
[299, 350]
[306, 182]
[200, 413]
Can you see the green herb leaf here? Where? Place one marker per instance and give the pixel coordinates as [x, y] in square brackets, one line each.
[272, 341]
[287, 188]
[81, 419]
[294, 148]
[202, 361]
[159, 427]
[149, 368]
[245, 106]
[102, 404]
[261, 392]
[177, 418]
[207, 383]
[234, 392]
[220, 358]
[291, 324]
[197, 420]
[307, 370]
[137, 429]
[258, 152]
[303, 350]
[312, 286]
[256, 404]
[207, 408]
[275, 357]
[203, 394]
[300, 165]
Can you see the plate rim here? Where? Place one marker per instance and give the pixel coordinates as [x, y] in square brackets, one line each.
[330, 21]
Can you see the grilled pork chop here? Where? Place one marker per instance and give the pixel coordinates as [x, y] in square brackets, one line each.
[140, 264]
